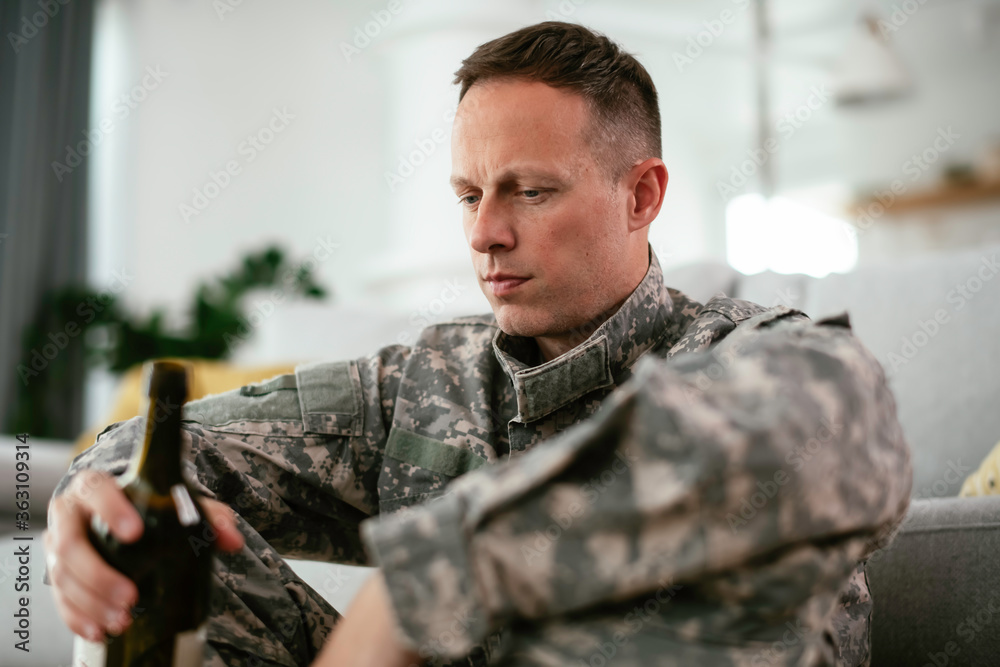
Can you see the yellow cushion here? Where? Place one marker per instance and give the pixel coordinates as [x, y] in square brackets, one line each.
[207, 377]
[986, 480]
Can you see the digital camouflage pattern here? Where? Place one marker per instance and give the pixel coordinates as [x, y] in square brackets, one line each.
[710, 478]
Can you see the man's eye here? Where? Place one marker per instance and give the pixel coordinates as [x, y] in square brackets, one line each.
[531, 194]
[468, 200]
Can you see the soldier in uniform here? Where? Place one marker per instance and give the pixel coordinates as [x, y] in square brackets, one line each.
[602, 471]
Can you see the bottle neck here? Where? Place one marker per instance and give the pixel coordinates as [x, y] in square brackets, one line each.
[159, 460]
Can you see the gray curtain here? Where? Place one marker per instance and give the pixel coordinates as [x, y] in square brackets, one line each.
[44, 97]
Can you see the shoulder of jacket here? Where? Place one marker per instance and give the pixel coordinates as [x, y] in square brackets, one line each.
[735, 310]
[461, 338]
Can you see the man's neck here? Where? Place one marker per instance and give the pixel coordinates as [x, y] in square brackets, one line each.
[557, 345]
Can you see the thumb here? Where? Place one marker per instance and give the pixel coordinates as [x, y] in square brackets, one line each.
[223, 520]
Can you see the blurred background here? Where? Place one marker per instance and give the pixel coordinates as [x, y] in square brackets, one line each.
[257, 184]
[150, 148]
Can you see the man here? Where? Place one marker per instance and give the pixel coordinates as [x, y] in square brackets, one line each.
[602, 472]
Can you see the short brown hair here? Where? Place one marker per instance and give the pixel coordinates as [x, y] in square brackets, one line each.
[626, 116]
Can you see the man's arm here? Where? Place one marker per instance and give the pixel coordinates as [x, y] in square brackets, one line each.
[654, 488]
[297, 457]
[368, 634]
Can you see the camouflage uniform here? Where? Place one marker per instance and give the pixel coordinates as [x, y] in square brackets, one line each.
[710, 479]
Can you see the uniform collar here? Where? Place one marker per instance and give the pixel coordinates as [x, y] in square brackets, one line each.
[600, 361]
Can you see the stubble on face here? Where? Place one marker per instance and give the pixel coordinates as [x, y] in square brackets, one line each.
[574, 245]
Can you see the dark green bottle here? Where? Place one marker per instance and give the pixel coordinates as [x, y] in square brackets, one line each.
[171, 563]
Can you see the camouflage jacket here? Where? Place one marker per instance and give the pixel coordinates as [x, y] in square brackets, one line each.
[693, 484]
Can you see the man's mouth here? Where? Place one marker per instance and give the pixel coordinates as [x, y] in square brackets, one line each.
[504, 284]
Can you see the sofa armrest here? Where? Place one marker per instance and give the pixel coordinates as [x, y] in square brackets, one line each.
[936, 588]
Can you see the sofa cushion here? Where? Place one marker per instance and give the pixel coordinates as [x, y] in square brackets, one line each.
[702, 280]
[775, 289]
[936, 588]
[933, 324]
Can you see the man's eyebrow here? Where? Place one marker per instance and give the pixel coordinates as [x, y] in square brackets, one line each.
[509, 176]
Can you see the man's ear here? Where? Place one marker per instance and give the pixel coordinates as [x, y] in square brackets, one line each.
[647, 184]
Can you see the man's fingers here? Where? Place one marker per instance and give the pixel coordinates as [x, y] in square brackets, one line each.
[92, 597]
[105, 607]
[223, 520]
[78, 622]
[99, 493]
[92, 590]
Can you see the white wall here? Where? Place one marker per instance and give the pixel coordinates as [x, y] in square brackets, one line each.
[318, 177]
[324, 176]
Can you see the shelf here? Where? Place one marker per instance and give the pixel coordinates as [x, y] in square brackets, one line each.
[941, 196]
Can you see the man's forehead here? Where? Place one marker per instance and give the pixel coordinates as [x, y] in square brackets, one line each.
[505, 130]
[520, 100]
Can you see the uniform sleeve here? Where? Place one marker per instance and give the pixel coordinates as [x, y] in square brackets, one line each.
[780, 442]
[297, 456]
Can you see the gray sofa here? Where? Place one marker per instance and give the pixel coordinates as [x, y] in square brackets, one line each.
[935, 324]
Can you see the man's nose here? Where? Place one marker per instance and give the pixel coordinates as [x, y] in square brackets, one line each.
[491, 229]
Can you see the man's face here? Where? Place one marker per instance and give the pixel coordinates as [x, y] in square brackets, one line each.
[547, 231]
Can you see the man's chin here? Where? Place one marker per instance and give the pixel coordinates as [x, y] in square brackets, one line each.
[520, 321]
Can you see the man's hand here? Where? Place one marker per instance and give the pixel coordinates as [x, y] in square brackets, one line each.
[367, 635]
[91, 596]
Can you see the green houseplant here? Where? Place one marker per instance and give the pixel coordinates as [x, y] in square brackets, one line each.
[80, 325]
